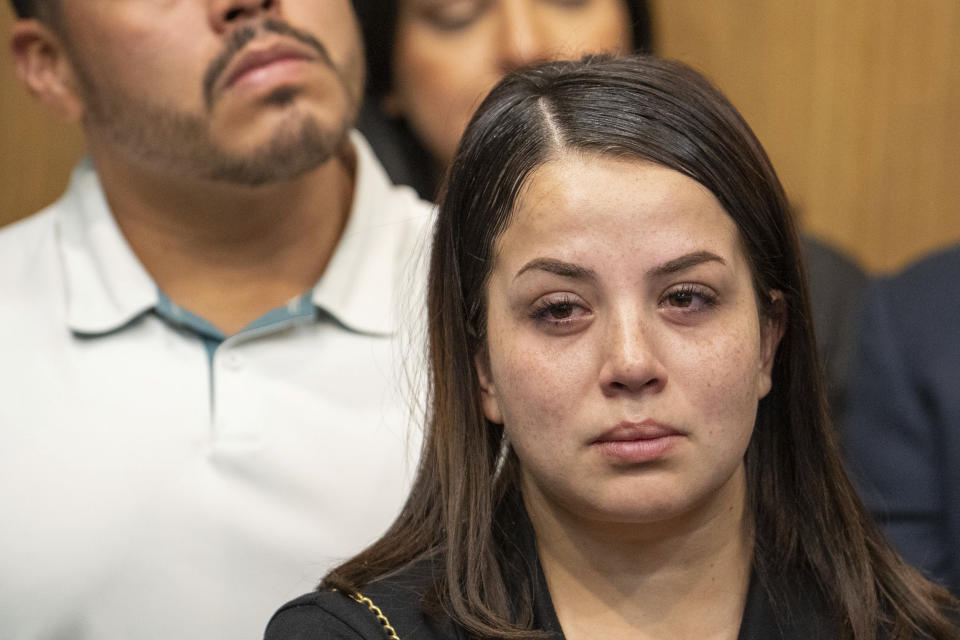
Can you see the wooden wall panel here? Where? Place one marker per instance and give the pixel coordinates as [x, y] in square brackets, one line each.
[858, 103]
[36, 151]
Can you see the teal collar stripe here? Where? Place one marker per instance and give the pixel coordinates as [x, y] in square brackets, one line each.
[298, 308]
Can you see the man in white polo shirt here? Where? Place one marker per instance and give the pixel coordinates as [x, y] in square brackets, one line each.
[202, 401]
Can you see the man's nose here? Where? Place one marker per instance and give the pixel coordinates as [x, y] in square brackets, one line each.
[228, 14]
[631, 360]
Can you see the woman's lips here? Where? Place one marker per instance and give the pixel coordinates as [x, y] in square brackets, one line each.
[638, 442]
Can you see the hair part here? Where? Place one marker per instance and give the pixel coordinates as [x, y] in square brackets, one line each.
[811, 530]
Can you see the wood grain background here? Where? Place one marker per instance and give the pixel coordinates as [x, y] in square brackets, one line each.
[857, 102]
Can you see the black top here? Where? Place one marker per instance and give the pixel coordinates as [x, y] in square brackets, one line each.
[331, 615]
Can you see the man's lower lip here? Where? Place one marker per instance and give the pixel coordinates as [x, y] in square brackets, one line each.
[636, 451]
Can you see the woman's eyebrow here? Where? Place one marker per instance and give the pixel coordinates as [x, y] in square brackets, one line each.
[578, 272]
[558, 267]
[684, 262]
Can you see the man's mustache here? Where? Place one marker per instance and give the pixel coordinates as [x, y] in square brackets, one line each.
[243, 36]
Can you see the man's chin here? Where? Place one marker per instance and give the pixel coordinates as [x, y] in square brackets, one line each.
[286, 156]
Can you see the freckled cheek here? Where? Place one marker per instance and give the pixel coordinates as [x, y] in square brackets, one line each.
[722, 386]
[541, 428]
[540, 390]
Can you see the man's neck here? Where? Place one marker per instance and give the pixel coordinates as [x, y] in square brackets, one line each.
[225, 252]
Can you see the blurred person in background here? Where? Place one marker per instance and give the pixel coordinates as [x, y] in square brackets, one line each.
[903, 434]
[430, 62]
[199, 339]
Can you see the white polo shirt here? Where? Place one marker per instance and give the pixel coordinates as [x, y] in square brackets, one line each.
[152, 486]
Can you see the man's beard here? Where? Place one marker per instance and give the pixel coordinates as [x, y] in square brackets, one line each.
[175, 140]
[181, 142]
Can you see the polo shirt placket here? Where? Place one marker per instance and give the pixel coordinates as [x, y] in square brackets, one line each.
[159, 479]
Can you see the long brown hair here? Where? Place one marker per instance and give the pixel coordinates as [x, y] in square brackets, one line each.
[811, 530]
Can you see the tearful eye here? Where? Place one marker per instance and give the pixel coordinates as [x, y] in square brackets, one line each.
[560, 312]
[682, 298]
[689, 298]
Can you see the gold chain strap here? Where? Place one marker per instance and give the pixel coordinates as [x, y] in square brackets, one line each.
[390, 632]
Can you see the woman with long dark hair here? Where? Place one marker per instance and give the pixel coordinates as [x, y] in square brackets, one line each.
[430, 62]
[627, 436]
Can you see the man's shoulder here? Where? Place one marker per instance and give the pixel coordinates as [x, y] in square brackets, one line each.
[379, 201]
[926, 276]
[409, 212]
[17, 238]
[32, 294]
[27, 251]
[922, 294]
[830, 267]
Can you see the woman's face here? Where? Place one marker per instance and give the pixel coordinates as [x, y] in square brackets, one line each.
[449, 53]
[625, 353]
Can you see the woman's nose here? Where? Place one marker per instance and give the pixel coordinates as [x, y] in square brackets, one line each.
[522, 40]
[631, 360]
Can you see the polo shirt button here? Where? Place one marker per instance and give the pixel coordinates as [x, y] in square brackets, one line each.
[233, 361]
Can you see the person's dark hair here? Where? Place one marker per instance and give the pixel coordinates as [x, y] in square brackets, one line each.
[24, 8]
[404, 156]
[39, 9]
[811, 531]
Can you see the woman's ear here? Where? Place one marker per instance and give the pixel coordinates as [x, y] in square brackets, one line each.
[488, 390]
[773, 324]
[42, 63]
